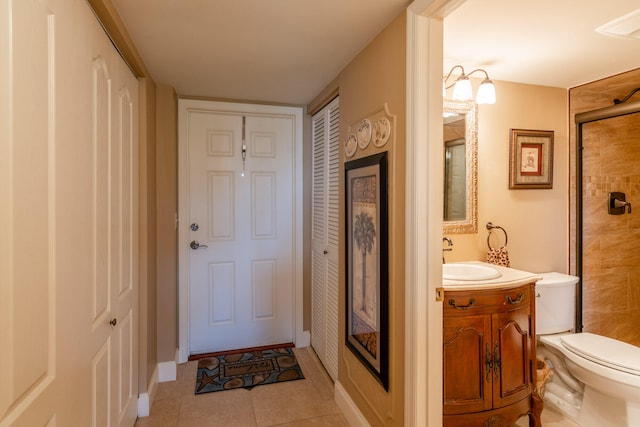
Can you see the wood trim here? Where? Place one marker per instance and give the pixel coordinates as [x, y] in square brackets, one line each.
[114, 27]
[239, 351]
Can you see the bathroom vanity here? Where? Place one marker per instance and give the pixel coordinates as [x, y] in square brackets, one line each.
[489, 346]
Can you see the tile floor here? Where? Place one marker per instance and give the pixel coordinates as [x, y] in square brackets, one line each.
[302, 403]
[308, 402]
[550, 418]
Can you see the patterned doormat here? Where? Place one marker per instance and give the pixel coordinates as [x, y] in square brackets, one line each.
[248, 369]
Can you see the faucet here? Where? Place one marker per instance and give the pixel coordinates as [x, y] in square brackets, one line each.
[448, 248]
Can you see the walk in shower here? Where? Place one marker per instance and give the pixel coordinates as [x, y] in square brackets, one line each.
[607, 227]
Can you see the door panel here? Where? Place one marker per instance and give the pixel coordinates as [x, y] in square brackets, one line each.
[113, 234]
[511, 339]
[325, 235]
[241, 196]
[27, 272]
[68, 125]
[611, 243]
[467, 386]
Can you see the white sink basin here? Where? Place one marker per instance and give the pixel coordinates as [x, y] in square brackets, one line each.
[468, 272]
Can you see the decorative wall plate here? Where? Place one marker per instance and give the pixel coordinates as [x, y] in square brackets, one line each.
[350, 145]
[364, 134]
[381, 131]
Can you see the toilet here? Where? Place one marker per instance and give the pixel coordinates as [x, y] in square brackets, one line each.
[596, 380]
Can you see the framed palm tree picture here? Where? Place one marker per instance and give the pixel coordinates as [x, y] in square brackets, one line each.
[367, 320]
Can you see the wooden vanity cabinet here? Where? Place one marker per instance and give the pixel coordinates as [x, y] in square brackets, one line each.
[489, 355]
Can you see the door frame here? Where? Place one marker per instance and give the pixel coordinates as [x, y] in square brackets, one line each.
[423, 216]
[301, 337]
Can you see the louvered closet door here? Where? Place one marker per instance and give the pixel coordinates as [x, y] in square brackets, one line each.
[324, 236]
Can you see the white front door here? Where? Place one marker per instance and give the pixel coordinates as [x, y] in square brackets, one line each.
[68, 229]
[239, 226]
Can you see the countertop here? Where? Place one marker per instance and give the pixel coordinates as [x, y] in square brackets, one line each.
[509, 278]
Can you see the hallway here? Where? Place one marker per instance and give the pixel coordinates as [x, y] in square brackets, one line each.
[307, 402]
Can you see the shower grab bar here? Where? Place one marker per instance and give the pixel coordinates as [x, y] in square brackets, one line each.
[490, 227]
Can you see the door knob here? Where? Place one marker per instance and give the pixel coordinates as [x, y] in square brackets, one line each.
[196, 245]
[113, 322]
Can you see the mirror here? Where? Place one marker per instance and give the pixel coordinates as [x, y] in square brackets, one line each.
[460, 168]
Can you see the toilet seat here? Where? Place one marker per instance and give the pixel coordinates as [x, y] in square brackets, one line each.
[604, 351]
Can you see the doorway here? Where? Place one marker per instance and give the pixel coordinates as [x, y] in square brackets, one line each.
[240, 228]
[608, 238]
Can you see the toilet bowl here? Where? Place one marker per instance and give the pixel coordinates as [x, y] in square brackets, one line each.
[596, 380]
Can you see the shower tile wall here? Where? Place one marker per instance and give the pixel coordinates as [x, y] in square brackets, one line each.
[611, 243]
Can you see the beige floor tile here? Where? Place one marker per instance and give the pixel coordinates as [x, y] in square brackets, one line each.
[224, 408]
[549, 418]
[286, 402]
[164, 413]
[175, 390]
[312, 369]
[325, 421]
[187, 371]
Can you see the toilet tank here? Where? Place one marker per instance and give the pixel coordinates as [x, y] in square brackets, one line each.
[555, 303]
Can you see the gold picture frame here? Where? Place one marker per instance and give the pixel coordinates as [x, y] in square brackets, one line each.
[530, 159]
[367, 257]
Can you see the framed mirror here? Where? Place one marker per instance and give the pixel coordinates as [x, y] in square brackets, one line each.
[460, 168]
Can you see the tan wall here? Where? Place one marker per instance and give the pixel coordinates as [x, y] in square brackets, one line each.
[148, 290]
[167, 207]
[535, 220]
[611, 262]
[375, 77]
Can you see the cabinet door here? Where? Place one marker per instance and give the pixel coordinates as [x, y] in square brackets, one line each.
[511, 348]
[467, 378]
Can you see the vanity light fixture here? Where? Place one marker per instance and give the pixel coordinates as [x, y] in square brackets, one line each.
[462, 90]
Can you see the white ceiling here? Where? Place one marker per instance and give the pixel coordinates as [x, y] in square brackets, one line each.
[544, 42]
[287, 51]
[283, 51]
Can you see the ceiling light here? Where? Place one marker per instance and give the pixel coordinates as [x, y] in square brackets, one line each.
[462, 90]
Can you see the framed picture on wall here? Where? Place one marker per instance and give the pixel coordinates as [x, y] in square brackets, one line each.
[367, 290]
[530, 159]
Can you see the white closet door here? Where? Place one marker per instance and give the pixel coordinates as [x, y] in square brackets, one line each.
[325, 235]
[68, 220]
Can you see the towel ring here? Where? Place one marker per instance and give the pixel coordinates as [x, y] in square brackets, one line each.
[490, 227]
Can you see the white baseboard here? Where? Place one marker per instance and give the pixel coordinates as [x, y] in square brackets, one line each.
[303, 339]
[144, 405]
[145, 400]
[167, 371]
[348, 407]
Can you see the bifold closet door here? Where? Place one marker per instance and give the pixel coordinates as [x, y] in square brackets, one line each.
[68, 220]
[325, 235]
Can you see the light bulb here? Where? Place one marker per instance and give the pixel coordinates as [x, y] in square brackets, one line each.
[486, 92]
[462, 89]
